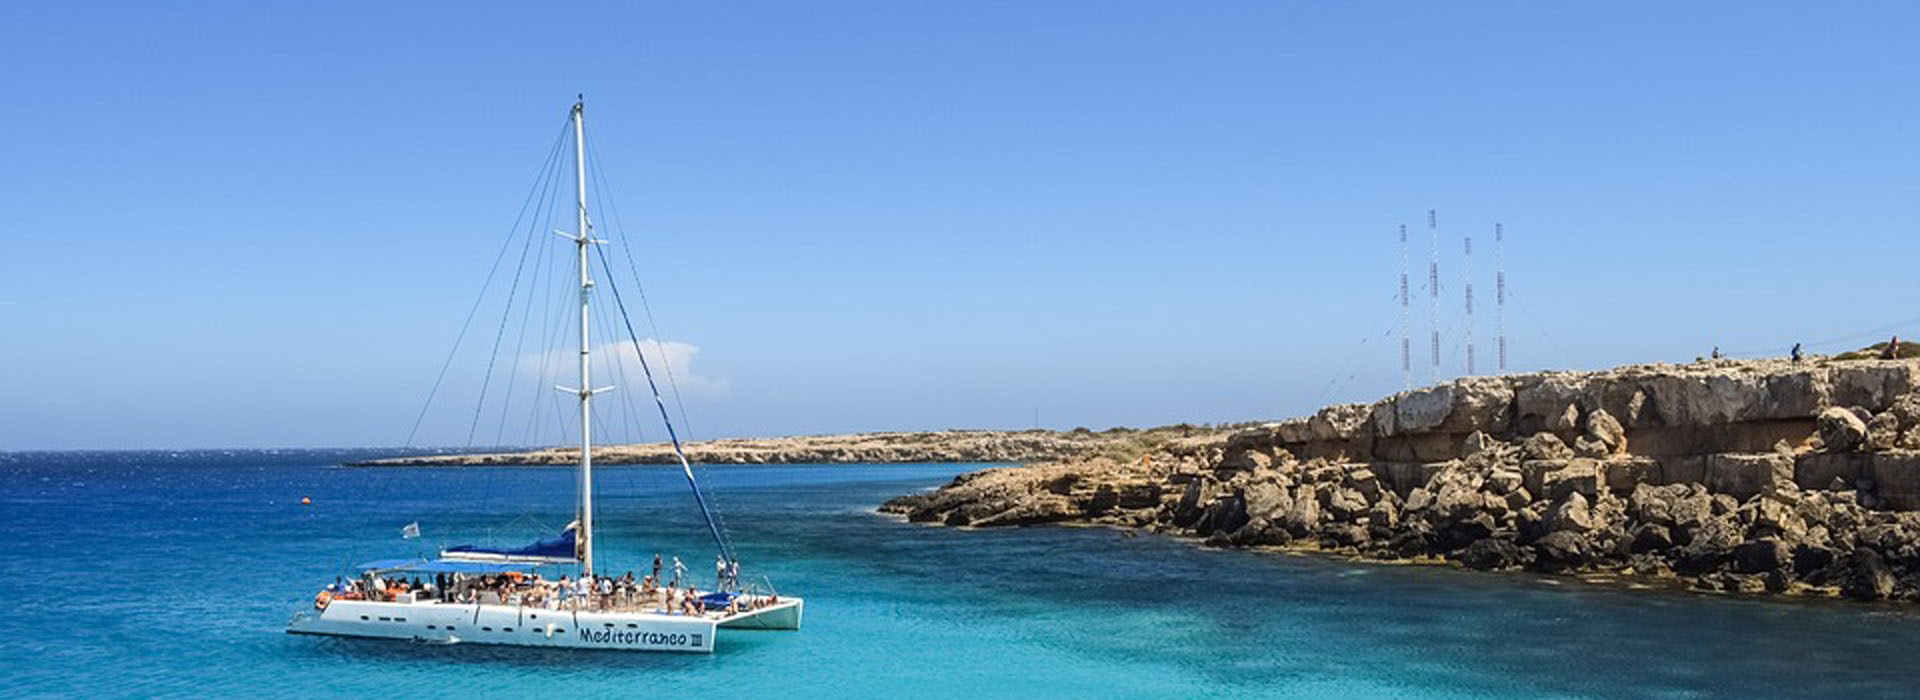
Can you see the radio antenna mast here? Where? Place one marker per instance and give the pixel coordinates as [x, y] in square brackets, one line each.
[1467, 269]
[1433, 287]
[1406, 346]
[1500, 292]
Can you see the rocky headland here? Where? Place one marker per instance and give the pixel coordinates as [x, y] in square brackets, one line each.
[1746, 476]
[962, 446]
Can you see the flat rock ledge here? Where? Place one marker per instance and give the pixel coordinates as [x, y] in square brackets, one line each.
[946, 446]
[1737, 476]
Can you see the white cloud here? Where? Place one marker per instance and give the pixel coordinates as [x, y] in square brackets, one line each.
[616, 363]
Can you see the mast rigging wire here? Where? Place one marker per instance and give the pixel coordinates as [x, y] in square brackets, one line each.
[672, 435]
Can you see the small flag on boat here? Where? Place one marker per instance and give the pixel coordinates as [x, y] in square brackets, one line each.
[411, 531]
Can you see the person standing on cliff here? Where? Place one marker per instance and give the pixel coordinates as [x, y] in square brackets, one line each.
[1893, 349]
[1716, 352]
[1797, 357]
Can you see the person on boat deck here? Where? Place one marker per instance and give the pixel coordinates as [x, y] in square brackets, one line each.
[679, 571]
[719, 572]
[606, 591]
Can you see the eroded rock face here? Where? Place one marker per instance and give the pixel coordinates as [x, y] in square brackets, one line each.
[1828, 502]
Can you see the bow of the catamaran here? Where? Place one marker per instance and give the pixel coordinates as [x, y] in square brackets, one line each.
[777, 614]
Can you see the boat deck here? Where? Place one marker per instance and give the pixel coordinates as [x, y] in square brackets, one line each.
[633, 627]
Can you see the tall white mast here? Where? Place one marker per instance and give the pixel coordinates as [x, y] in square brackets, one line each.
[581, 240]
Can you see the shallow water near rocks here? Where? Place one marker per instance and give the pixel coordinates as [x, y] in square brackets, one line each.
[140, 574]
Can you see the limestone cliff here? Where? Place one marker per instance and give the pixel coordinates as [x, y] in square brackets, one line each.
[1740, 475]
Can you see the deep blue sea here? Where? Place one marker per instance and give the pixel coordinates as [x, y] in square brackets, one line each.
[157, 574]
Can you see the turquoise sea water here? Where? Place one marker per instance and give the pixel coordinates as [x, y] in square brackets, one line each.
[142, 574]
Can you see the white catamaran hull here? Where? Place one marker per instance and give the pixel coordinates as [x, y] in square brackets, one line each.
[451, 623]
[619, 623]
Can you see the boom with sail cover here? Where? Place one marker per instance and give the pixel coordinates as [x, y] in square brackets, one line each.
[559, 550]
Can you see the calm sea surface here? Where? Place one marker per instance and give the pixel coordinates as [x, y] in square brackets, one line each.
[142, 574]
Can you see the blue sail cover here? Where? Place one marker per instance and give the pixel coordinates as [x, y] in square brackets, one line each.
[441, 566]
[559, 550]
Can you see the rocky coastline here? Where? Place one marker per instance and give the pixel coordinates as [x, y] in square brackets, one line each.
[946, 446]
[1764, 477]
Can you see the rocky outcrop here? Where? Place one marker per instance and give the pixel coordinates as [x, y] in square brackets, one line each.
[1732, 476]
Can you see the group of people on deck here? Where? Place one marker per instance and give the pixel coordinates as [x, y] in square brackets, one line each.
[589, 592]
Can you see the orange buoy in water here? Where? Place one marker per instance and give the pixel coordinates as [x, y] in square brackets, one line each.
[306, 501]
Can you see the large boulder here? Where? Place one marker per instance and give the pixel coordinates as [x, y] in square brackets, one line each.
[1883, 432]
[1342, 504]
[1841, 430]
[1460, 406]
[1198, 492]
[1304, 517]
[1744, 476]
[1267, 500]
[1493, 553]
[1570, 514]
[1292, 431]
[1480, 403]
[1654, 504]
[1549, 402]
[1708, 546]
[1624, 474]
[1870, 578]
[1761, 556]
[1906, 409]
[1545, 446]
[1563, 549]
[1603, 428]
[1590, 447]
[1580, 476]
[1651, 537]
[1422, 410]
[1339, 423]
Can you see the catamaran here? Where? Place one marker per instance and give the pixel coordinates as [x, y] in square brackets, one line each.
[496, 595]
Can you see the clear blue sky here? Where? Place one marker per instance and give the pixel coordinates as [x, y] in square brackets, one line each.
[260, 224]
